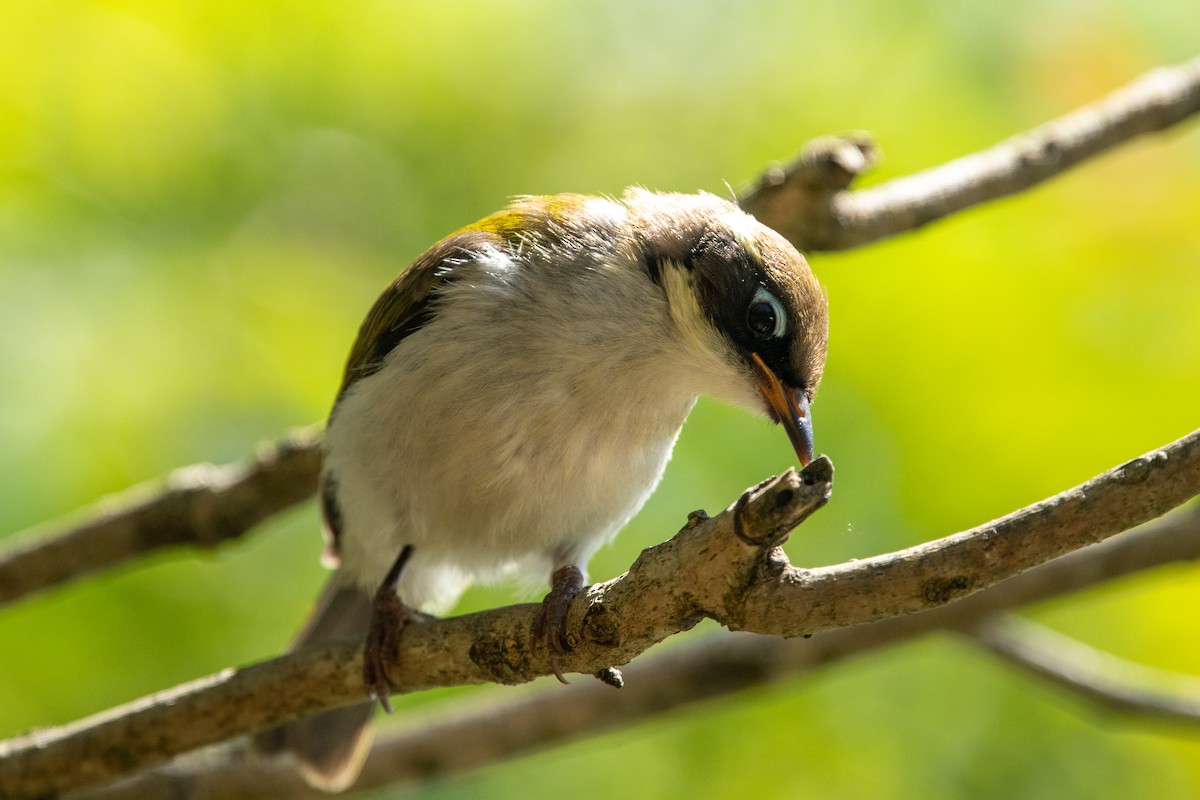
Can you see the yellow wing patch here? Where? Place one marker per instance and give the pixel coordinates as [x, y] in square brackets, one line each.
[532, 216]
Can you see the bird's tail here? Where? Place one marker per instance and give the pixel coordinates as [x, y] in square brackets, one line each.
[330, 747]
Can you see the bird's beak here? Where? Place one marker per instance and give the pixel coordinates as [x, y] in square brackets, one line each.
[790, 406]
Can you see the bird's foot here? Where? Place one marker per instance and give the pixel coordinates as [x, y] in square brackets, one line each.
[389, 618]
[550, 625]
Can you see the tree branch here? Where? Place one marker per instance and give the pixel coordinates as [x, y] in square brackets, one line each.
[794, 601]
[454, 740]
[201, 505]
[808, 201]
[1096, 676]
[709, 569]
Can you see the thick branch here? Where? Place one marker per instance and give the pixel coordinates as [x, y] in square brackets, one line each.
[1096, 676]
[473, 736]
[201, 505]
[709, 569]
[791, 601]
[808, 201]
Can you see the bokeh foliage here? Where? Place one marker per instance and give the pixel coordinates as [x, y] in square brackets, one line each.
[198, 201]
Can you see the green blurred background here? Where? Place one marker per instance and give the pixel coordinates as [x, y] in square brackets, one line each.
[199, 200]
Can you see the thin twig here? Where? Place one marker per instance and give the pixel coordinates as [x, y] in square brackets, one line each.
[477, 733]
[704, 571]
[202, 505]
[1096, 676]
[808, 201]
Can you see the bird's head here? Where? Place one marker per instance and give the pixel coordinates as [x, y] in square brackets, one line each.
[750, 313]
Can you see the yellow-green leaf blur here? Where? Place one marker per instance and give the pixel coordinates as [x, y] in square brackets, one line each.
[200, 200]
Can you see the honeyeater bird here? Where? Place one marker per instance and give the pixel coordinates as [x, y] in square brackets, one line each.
[513, 398]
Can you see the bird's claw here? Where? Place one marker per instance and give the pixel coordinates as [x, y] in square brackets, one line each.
[389, 618]
[549, 628]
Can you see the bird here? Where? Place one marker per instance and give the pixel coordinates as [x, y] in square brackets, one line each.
[512, 400]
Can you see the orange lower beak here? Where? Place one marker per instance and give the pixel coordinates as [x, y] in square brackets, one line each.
[789, 407]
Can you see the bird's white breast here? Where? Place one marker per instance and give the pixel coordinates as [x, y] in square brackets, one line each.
[524, 424]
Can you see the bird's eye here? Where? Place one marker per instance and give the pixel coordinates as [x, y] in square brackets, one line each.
[765, 317]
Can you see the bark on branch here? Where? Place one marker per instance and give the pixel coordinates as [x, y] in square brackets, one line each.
[728, 568]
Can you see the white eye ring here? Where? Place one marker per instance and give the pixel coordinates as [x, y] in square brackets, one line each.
[765, 316]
